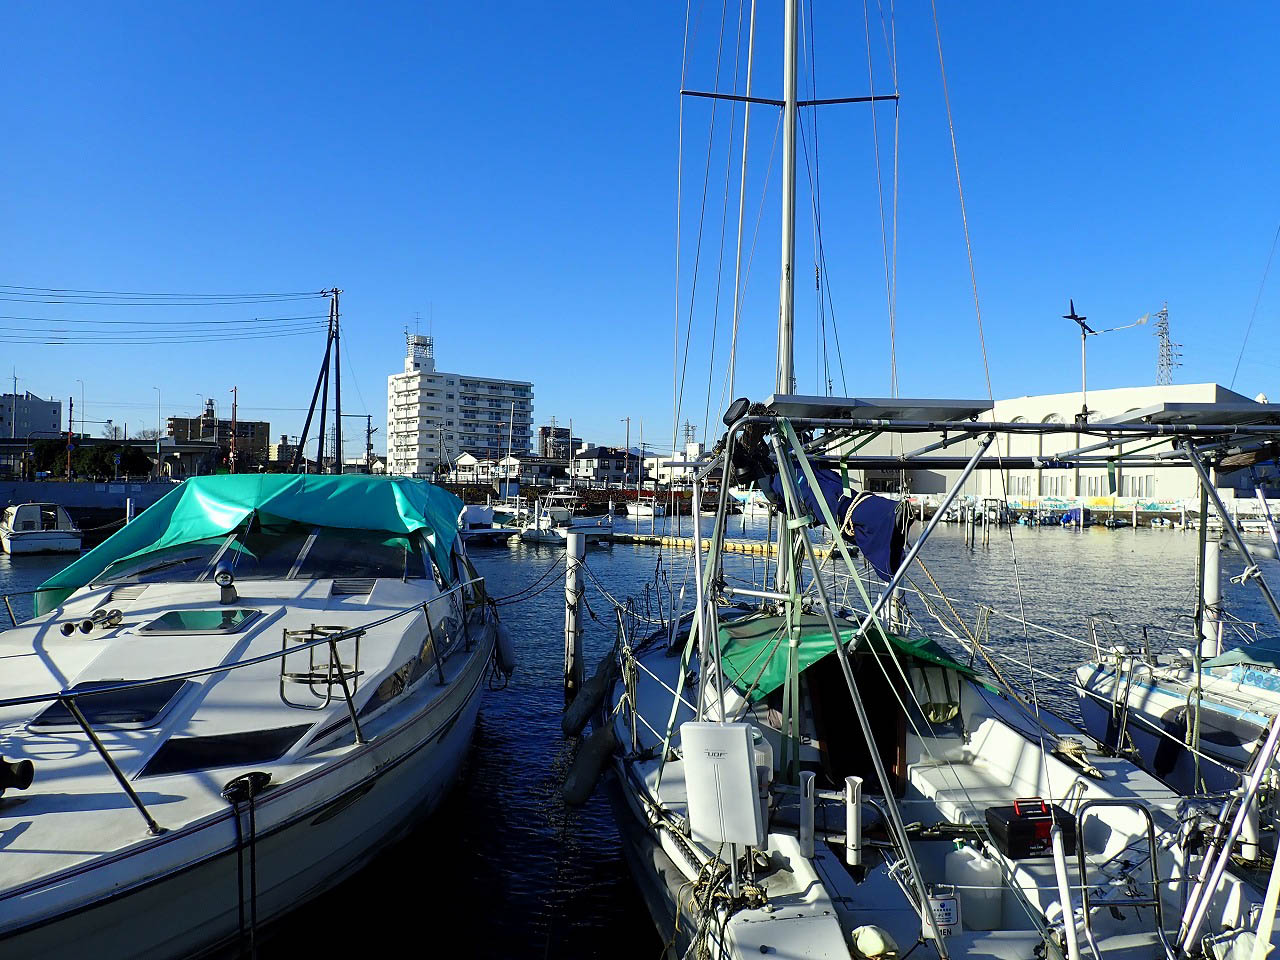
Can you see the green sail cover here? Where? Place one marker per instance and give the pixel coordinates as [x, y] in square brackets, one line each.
[754, 650]
[205, 507]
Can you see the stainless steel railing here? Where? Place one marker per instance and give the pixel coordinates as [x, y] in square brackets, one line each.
[68, 698]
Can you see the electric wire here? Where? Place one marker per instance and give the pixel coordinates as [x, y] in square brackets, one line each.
[200, 321]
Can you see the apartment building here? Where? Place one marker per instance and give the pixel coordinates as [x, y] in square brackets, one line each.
[25, 413]
[433, 416]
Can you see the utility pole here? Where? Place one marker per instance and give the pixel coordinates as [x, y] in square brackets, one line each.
[332, 358]
[13, 418]
[337, 376]
[159, 461]
[71, 414]
[234, 398]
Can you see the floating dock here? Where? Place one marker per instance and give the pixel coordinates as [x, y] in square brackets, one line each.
[755, 548]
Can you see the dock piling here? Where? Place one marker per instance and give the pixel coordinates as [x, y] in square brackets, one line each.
[575, 552]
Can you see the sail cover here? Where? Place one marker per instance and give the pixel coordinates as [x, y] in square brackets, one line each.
[205, 507]
[754, 650]
[878, 524]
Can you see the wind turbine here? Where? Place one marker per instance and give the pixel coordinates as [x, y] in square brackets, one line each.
[1087, 331]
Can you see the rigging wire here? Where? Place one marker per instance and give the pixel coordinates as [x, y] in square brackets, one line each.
[889, 270]
[697, 257]
[1256, 300]
[742, 200]
[724, 215]
[823, 273]
[986, 368]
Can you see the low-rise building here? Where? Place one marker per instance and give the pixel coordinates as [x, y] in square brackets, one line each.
[604, 465]
[658, 466]
[1099, 487]
[253, 437]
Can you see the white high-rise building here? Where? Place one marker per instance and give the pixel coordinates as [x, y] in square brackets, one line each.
[434, 417]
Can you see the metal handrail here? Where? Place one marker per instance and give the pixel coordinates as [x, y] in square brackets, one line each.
[228, 667]
[68, 698]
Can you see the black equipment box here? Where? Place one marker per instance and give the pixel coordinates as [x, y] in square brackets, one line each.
[1021, 830]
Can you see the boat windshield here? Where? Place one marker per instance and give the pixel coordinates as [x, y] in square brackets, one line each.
[267, 550]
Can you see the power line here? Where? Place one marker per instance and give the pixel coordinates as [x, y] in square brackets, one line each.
[92, 332]
[88, 301]
[69, 341]
[173, 323]
[296, 294]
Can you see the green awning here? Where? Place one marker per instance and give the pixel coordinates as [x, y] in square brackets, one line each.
[1263, 652]
[205, 507]
[754, 650]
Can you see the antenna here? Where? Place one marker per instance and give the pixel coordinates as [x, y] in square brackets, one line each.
[1170, 352]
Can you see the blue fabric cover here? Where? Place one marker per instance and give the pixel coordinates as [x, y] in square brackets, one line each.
[875, 530]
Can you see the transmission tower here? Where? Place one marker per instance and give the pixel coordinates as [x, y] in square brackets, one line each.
[1170, 352]
[690, 432]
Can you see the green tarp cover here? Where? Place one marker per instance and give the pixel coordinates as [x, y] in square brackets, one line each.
[205, 507]
[754, 650]
[1263, 652]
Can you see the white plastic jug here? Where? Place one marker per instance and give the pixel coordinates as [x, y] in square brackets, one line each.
[978, 884]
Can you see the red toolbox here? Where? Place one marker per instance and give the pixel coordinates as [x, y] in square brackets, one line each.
[1021, 830]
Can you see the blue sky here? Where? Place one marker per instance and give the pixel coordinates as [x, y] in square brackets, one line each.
[511, 170]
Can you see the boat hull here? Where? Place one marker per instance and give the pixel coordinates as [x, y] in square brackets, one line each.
[346, 816]
[39, 541]
[1157, 724]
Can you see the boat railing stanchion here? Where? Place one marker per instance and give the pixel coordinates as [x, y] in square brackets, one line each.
[9, 607]
[73, 708]
[346, 688]
[435, 649]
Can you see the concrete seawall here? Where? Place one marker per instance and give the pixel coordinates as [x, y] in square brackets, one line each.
[83, 494]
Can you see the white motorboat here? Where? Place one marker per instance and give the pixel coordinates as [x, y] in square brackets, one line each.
[230, 706]
[477, 524]
[645, 509]
[38, 528]
[553, 519]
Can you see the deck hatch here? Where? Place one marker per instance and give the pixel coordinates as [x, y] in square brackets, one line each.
[130, 707]
[184, 754]
[216, 621]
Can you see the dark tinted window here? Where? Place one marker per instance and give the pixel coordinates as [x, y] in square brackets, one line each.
[268, 550]
[362, 553]
[184, 563]
[134, 706]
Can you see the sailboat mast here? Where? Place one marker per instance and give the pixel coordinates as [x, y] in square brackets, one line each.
[785, 382]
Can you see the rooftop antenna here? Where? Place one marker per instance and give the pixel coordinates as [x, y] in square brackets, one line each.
[1170, 352]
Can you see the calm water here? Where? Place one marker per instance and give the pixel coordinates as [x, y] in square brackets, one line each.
[528, 877]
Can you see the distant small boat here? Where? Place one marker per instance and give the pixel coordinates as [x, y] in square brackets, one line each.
[643, 509]
[476, 525]
[38, 528]
[553, 520]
